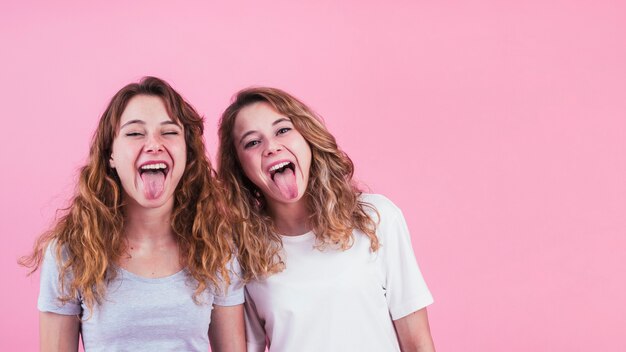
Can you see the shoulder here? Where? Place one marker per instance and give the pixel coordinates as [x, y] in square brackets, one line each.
[383, 205]
[52, 249]
[55, 258]
[390, 221]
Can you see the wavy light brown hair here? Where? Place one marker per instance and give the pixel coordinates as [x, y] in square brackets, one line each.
[89, 237]
[332, 197]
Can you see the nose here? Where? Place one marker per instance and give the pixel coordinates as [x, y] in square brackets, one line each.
[272, 148]
[154, 145]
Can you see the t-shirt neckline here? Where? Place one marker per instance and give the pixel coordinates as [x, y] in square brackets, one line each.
[298, 238]
[155, 280]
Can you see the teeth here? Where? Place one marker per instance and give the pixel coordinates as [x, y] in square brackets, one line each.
[278, 166]
[158, 166]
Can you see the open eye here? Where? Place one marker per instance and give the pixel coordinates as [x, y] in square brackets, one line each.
[251, 144]
[283, 130]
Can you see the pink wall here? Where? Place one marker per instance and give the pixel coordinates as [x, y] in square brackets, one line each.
[500, 129]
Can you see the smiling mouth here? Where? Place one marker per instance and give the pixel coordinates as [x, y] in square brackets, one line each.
[154, 169]
[280, 168]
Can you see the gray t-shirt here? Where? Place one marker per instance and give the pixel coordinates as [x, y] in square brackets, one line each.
[141, 314]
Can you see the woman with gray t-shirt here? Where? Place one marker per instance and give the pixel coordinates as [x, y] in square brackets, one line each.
[141, 259]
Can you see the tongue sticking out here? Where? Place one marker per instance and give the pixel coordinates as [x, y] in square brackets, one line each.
[153, 184]
[286, 182]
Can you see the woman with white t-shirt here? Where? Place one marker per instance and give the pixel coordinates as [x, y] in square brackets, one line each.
[141, 260]
[328, 268]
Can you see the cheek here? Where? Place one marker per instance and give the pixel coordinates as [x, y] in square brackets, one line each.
[178, 151]
[247, 165]
[120, 155]
[115, 149]
[307, 159]
[305, 148]
[183, 154]
[300, 141]
[126, 147]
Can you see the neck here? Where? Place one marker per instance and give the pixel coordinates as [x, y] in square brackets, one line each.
[291, 219]
[148, 225]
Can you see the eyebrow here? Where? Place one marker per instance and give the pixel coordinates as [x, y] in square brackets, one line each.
[282, 119]
[141, 122]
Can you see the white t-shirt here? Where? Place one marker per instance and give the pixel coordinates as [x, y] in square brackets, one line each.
[139, 313]
[335, 300]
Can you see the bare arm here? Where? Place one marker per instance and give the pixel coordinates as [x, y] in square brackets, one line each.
[414, 332]
[226, 331]
[58, 333]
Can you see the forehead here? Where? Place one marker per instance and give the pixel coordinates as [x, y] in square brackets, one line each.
[255, 117]
[146, 108]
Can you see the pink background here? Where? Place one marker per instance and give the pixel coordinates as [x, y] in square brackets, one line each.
[498, 127]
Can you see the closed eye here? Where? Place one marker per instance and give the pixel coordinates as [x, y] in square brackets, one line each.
[174, 133]
[134, 134]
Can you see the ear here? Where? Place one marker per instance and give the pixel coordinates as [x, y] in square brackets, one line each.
[112, 162]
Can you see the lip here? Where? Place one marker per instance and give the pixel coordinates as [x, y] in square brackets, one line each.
[152, 162]
[270, 166]
[267, 169]
[168, 167]
[278, 162]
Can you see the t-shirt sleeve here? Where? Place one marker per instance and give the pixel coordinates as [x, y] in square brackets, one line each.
[255, 333]
[233, 294]
[50, 290]
[405, 288]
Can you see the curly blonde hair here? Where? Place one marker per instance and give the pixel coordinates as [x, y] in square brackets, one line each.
[89, 235]
[332, 197]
